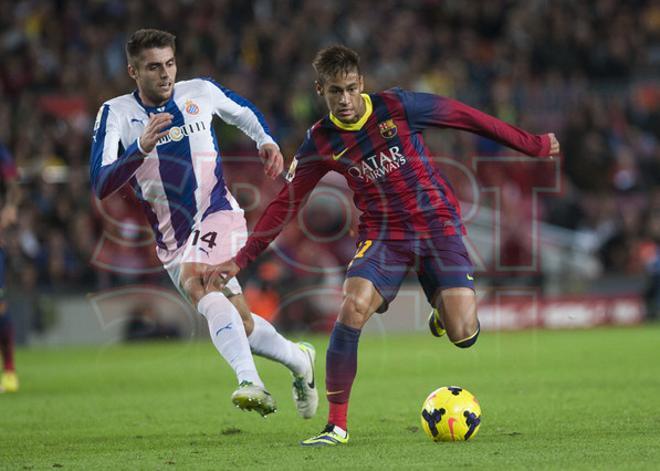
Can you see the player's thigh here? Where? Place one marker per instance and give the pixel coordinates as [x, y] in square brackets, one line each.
[217, 238]
[443, 264]
[446, 275]
[214, 240]
[360, 300]
[384, 264]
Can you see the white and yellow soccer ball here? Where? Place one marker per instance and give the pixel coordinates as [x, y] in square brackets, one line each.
[451, 414]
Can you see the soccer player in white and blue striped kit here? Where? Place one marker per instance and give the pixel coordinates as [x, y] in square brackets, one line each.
[159, 140]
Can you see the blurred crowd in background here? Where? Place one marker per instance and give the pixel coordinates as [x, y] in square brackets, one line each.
[587, 70]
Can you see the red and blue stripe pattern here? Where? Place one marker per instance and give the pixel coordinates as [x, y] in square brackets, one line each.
[387, 165]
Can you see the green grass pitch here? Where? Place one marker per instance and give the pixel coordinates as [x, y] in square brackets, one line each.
[573, 399]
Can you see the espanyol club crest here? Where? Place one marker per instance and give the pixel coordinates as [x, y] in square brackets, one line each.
[191, 107]
[387, 129]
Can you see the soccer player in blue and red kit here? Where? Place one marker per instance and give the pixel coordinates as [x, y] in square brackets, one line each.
[410, 214]
[10, 190]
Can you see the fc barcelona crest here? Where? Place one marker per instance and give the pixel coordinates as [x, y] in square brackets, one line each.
[387, 129]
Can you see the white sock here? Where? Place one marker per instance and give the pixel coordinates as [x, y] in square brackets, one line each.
[228, 335]
[265, 341]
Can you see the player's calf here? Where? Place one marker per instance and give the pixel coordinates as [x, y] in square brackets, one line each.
[192, 283]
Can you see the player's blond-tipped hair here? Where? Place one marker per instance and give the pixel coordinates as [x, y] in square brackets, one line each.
[334, 60]
[147, 39]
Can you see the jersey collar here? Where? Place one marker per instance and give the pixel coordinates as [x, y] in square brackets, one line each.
[152, 109]
[358, 124]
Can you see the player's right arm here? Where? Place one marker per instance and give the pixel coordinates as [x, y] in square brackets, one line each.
[109, 171]
[303, 175]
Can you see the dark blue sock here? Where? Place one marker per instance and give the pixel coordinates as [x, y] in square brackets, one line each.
[340, 371]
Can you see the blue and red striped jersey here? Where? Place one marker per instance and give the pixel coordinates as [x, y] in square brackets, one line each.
[387, 166]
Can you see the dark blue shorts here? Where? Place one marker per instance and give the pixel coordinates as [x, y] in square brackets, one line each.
[440, 263]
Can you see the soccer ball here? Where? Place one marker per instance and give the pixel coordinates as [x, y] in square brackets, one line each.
[450, 414]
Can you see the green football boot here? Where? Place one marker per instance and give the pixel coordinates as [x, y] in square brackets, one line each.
[330, 436]
[249, 396]
[435, 324]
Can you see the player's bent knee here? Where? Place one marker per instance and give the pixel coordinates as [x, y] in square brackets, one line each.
[194, 289]
[354, 311]
[468, 341]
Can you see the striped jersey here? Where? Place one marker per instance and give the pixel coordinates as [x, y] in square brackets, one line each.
[387, 165]
[180, 182]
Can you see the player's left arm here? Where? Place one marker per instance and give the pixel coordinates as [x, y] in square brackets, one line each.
[425, 109]
[240, 112]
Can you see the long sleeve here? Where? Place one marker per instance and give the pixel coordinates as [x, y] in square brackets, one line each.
[425, 110]
[282, 209]
[240, 112]
[108, 170]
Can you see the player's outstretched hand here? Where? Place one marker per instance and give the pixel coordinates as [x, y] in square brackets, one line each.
[217, 276]
[153, 131]
[554, 144]
[272, 158]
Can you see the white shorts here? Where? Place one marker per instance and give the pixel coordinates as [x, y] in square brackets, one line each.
[214, 240]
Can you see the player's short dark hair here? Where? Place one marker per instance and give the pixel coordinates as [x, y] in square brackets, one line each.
[334, 60]
[148, 39]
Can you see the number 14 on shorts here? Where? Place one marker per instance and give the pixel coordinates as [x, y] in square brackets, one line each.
[208, 238]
